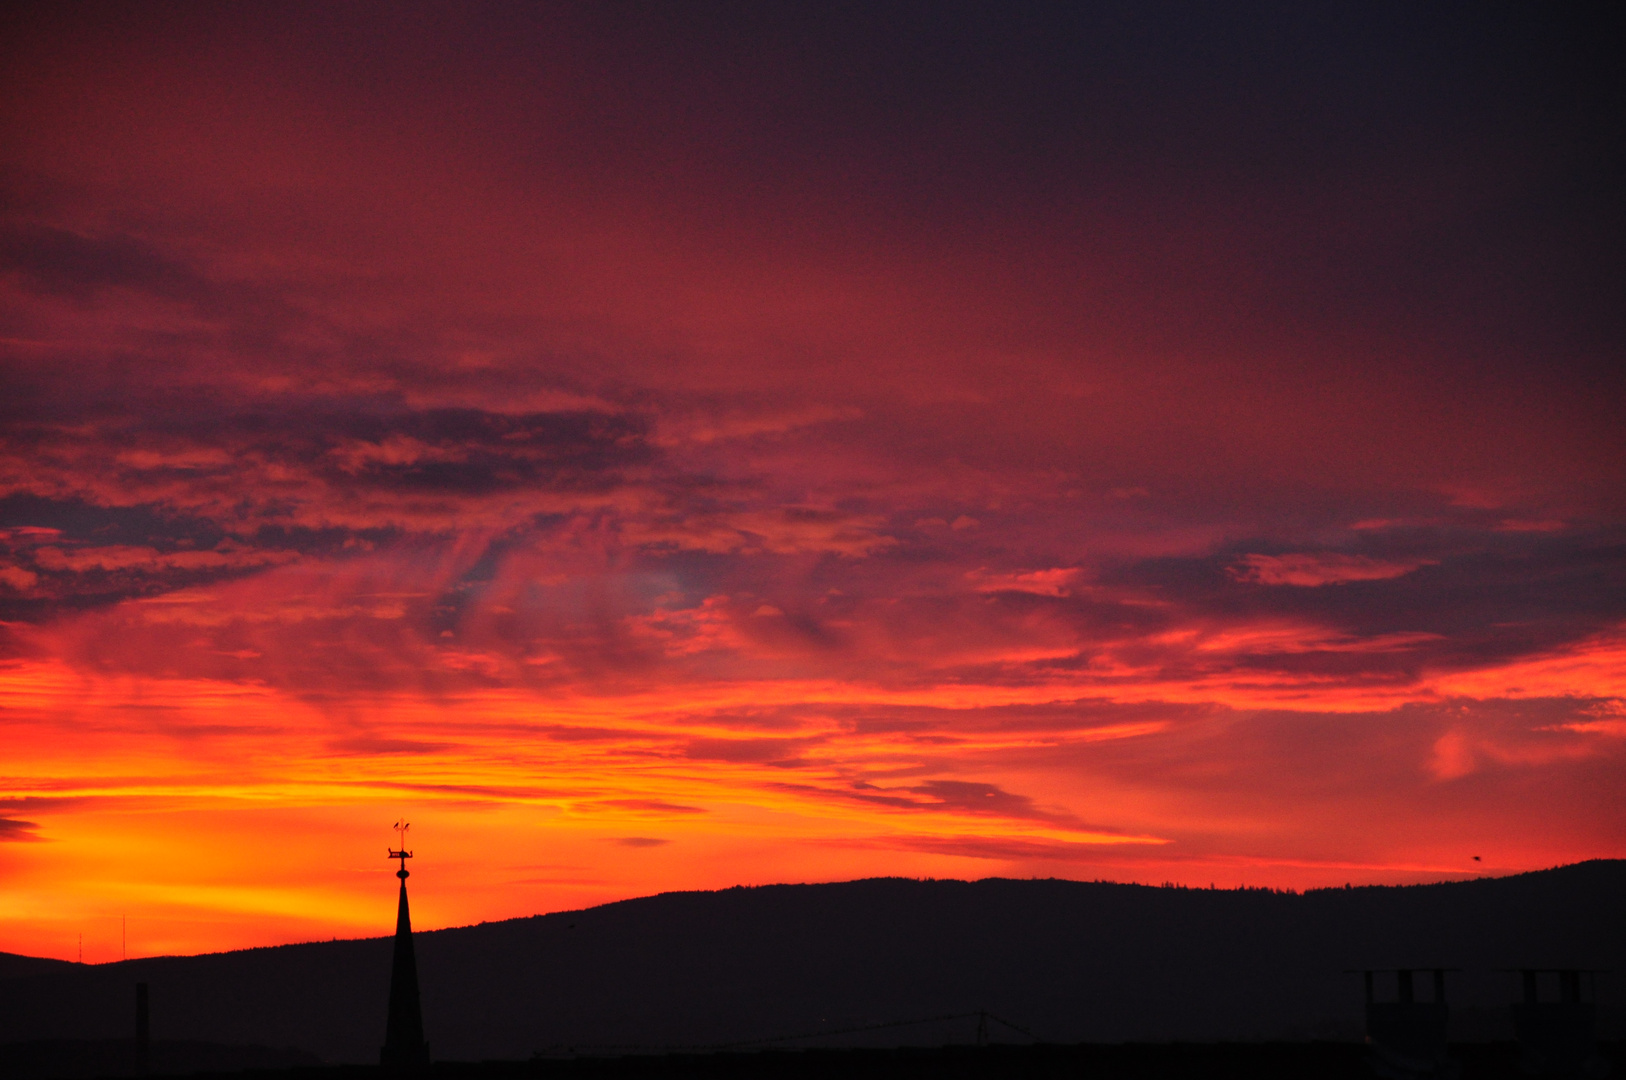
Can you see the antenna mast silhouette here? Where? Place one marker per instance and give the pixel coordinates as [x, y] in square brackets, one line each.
[404, 1047]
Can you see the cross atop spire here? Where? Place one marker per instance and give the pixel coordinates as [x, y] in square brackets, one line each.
[401, 828]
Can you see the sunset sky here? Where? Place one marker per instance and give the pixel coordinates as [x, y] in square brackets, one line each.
[670, 446]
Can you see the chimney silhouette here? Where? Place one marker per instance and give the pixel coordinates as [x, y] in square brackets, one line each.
[404, 1047]
[1559, 1038]
[143, 1031]
[1406, 1037]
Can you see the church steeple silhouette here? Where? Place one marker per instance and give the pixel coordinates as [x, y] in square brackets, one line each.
[404, 1048]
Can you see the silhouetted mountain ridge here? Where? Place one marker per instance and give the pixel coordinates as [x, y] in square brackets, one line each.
[13, 966]
[1070, 961]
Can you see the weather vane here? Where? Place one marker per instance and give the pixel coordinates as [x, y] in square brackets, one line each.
[403, 854]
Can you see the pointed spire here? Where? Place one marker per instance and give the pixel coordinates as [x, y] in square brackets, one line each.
[404, 1048]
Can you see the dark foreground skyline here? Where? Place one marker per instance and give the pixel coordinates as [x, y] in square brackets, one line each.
[1052, 961]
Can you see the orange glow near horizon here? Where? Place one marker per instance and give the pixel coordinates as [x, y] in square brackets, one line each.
[245, 824]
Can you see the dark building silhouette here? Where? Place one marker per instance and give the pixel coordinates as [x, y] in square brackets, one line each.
[404, 1047]
[1559, 1038]
[143, 1029]
[1407, 1036]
